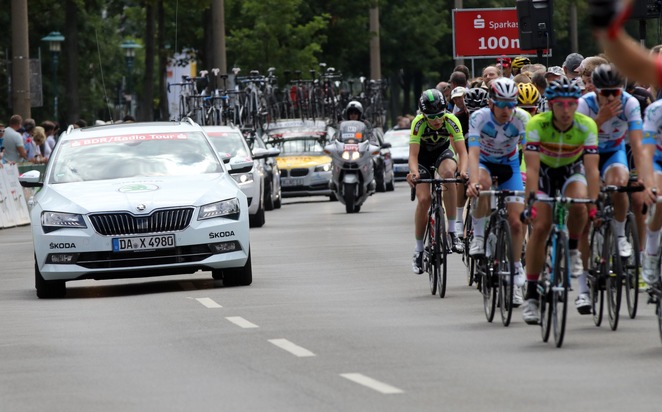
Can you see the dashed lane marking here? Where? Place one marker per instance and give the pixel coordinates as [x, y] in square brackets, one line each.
[295, 350]
[241, 322]
[371, 383]
[209, 303]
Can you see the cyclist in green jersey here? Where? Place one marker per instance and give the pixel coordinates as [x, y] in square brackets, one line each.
[433, 132]
[561, 154]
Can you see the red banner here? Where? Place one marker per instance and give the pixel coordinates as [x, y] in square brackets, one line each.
[486, 33]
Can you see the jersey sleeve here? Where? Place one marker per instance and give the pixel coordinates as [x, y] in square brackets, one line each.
[582, 106]
[652, 119]
[591, 140]
[417, 129]
[533, 134]
[475, 122]
[632, 110]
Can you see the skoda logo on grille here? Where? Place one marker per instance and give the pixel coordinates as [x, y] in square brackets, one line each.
[140, 207]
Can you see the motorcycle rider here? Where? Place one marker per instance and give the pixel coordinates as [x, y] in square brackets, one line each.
[433, 132]
[354, 111]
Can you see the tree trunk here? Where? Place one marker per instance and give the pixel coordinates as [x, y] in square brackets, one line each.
[71, 77]
[146, 110]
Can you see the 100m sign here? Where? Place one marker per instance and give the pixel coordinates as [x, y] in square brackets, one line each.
[493, 42]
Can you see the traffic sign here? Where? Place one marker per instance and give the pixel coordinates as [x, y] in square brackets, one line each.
[487, 33]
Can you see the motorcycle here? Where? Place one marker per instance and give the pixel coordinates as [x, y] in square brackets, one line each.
[352, 166]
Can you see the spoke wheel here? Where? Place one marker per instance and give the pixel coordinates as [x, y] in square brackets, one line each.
[614, 277]
[487, 288]
[596, 265]
[505, 269]
[442, 256]
[545, 299]
[559, 302]
[428, 259]
[631, 267]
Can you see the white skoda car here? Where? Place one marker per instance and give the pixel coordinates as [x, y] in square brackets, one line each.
[136, 200]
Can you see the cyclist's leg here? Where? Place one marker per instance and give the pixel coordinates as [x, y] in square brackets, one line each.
[480, 212]
[447, 167]
[651, 261]
[515, 205]
[637, 206]
[616, 173]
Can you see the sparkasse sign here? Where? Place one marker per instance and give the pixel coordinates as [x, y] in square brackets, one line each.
[486, 33]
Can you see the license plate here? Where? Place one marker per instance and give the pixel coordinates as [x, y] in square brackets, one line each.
[401, 168]
[291, 181]
[143, 243]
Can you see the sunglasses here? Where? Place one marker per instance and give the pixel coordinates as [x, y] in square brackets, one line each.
[504, 105]
[563, 104]
[610, 92]
[435, 116]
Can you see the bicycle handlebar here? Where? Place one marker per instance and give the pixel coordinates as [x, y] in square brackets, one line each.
[501, 193]
[621, 189]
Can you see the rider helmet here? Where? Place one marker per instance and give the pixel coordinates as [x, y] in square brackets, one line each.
[562, 88]
[520, 61]
[605, 76]
[503, 88]
[528, 95]
[355, 107]
[432, 101]
[475, 98]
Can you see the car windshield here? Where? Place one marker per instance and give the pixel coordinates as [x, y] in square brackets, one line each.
[290, 146]
[397, 139]
[133, 155]
[229, 142]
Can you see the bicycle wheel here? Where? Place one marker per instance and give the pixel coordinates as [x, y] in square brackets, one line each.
[468, 237]
[545, 296]
[614, 277]
[596, 264]
[631, 267]
[658, 312]
[429, 255]
[442, 257]
[505, 270]
[487, 288]
[559, 303]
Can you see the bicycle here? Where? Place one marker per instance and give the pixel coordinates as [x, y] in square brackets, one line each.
[655, 290]
[436, 250]
[632, 265]
[496, 268]
[554, 279]
[606, 266]
[468, 261]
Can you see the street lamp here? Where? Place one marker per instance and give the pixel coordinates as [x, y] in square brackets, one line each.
[129, 47]
[54, 40]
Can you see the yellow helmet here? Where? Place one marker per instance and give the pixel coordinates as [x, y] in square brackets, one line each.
[519, 62]
[528, 95]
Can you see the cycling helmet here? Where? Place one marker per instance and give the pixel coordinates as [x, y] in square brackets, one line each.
[528, 95]
[475, 98]
[562, 88]
[519, 62]
[503, 88]
[432, 101]
[354, 106]
[605, 76]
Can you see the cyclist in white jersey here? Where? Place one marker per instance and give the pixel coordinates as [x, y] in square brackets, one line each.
[618, 117]
[653, 149]
[494, 135]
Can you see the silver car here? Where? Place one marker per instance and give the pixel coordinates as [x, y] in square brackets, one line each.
[399, 140]
[136, 200]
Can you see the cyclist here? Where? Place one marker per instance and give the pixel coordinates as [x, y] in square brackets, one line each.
[354, 111]
[653, 149]
[476, 98]
[528, 98]
[433, 132]
[518, 63]
[494, 136]
[561, 154]
[618, 117]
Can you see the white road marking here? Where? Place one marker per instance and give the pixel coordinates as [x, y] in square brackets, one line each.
[241, 322]
[371, 383]
[292, 348]
[209, 303]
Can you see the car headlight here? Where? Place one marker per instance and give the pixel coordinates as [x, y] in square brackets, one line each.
[228, 209]
[323, 168]
[243, 177]
[51, 221]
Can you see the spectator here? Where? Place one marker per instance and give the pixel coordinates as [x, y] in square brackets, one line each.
[39, 139]
[81, 123]
[128, 119]
[553, 74]
[571, 65]
[49, 129]
[464, 69]
[489, 73]
[522, 78]
[30, 148]
[13, 143]
[445, 89]
[503, 64]
[586, 70]
[402, 122]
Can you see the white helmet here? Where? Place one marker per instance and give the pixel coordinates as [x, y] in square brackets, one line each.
[354, 105]
[503, 88]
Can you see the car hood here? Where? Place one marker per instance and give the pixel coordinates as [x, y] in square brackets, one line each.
[132, 194]
[400, 153]
[288, 162]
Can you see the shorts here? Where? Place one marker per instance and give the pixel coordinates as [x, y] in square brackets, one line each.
[508, 175]
[630, 157]
[613, 159]
[429, 159]
[556, 179]
[657, 166]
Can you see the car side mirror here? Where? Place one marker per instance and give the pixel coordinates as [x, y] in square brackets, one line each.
[386, 145]
[31, 178]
